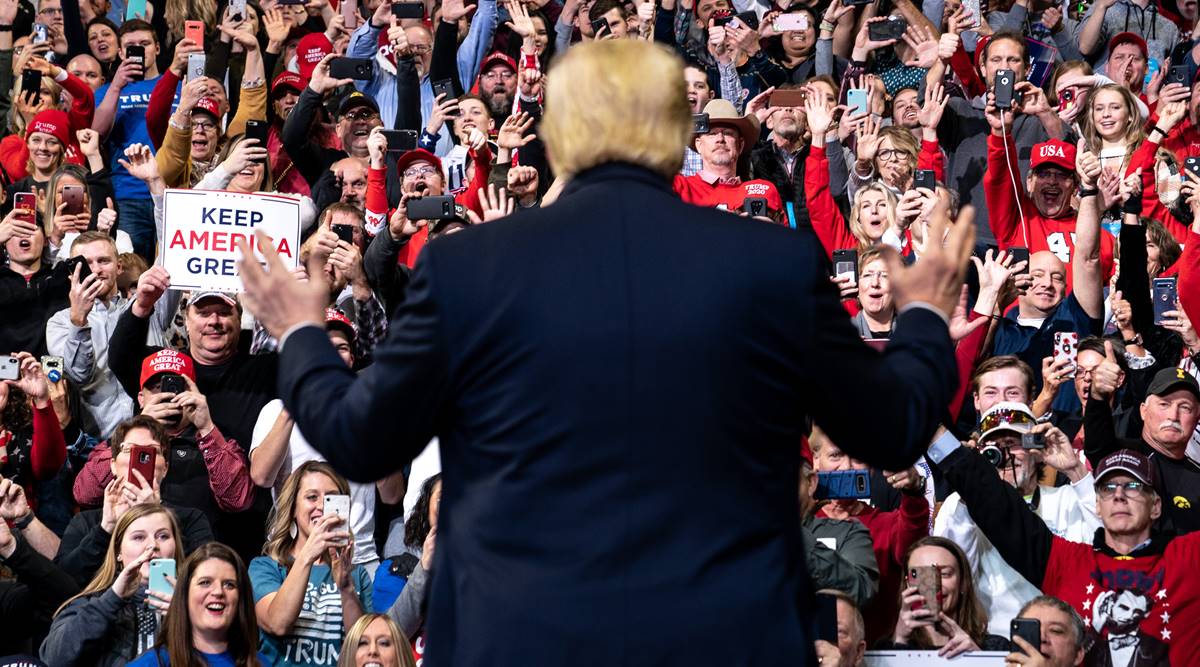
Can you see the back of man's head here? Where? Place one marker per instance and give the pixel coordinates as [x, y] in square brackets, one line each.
[617, 101]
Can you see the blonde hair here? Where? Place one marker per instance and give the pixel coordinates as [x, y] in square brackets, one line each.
[110, 568]
[280, 540]
[16, 122]
[403, 647]
[856, 227]
[178, 11]
[1134, 132]
[619, 100]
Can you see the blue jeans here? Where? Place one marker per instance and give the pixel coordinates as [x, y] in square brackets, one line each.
[136, 218]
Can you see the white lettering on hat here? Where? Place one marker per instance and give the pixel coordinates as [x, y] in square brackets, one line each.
[1051, 150]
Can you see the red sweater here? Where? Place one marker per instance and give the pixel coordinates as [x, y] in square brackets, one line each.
[1189, 277]
[892, 533]
[1054, 234]
[826, 220]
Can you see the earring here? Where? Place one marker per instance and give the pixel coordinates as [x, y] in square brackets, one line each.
[294, 530]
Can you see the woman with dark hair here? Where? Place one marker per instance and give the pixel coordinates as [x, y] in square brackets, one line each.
[420, 533]
[961, 624]
[211, 621]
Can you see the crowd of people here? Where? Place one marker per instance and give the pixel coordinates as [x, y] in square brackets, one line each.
[161, 506]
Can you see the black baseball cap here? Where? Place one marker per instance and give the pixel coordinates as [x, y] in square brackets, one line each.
[356, 99]
[1127, 461]
[1170, 379]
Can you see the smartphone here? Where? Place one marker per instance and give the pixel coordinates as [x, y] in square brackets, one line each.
[843, 484]
[928, 581]
[52, 366]
[924, 178]
[72, 196]
[1192, 164]
[31, 85]
[1029, 629]
[10, 368]
[845, 263]
[1164, 293]
[27, 200]
[826, 615]
[1033, 441]
[755, 206]
[160, 569]
[1020, 255]
[791, 97]
[444, 87]
[856, 101]
[1178, 74]
[785, 22]
[136, 9]
[432, 208]
[257, 129]
[172, 384]
[85, 269]
[349, 11]
[600, 26]
[700, 124]
[361, 69]
[237, 9]
[337, 504]
[1003, 90]
[195, 66]
[137, 53]
[400, 140]
[194, 30]
[458, 178]
[142, 459]
[1066, 346]
[408, 10]
[892, 28]
[344, 233]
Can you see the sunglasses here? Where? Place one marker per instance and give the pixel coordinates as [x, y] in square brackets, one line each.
[1005, 417]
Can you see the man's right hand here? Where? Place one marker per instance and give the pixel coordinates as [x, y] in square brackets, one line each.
[937, 279]
[322, 82]
[83, 295]
[128, 72]
[399, 226]
[151, 286]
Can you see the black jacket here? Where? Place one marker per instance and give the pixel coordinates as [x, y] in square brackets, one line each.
[26, 306]
[85, 542]
[28, 603]
[619, 409]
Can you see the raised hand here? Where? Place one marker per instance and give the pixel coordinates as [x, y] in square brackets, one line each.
[321, 81]
[924, 46]
[130, 578]
[868, 141]
[1107, 376]
[495, 203]
[32, 380]
[151, 286]
[512, 132]
[937, 279]
[140, 163]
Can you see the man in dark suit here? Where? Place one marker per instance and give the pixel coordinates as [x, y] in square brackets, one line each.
[620, 383]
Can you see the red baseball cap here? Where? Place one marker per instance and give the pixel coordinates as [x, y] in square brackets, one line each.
[311, 50]
[287, 80]
[52, 122]
[497, 57]
[335, 319]
[209, 106]
[419, 155]
[1129, 38]
[167, 361]
[1056, 152]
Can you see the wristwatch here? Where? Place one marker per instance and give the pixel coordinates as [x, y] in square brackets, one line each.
[1136, 340]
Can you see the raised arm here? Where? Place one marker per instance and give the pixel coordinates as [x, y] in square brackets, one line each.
[1086, 276]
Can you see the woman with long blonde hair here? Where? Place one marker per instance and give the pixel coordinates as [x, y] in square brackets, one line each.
[114, 618]
[307, 590]
[375, 639]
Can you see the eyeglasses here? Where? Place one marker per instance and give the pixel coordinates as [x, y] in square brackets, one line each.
[495, 75]
[203, 126]
[413, 172]
[420, 48]
[1135, 490]
[365, 114]
[1005, 417]
[890, 154]
[51, 11]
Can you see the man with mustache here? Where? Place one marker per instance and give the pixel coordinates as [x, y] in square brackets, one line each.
[1169, 415]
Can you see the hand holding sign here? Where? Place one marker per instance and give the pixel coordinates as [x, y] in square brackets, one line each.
[274, 296]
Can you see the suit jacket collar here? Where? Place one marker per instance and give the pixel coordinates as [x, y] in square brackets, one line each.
[617, 171]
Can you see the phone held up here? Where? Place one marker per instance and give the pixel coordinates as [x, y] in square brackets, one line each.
[1029, 629]
[843, 484]
[160, 569]
[1165, 295]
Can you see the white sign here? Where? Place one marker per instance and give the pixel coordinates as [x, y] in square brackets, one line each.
[201, 227]
[931, 658]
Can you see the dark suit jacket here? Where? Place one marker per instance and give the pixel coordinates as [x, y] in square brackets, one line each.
[620, 382]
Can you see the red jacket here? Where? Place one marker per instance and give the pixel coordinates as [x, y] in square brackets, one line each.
[1054, 234]
[14, 152]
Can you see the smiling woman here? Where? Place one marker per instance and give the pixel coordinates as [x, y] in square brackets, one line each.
[212, 617]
